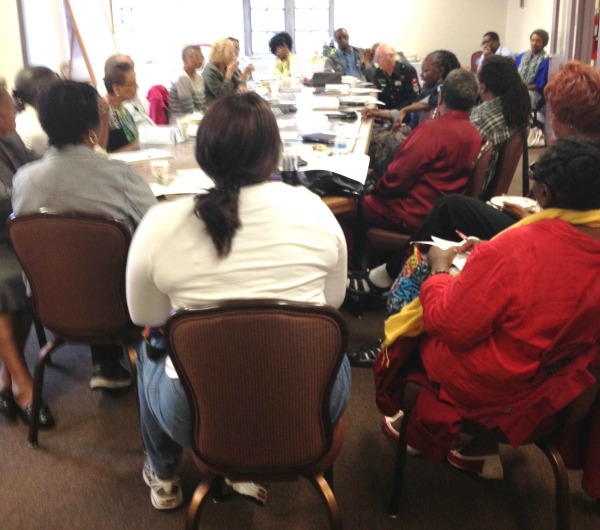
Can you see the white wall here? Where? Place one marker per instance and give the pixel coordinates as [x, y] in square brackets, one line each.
[521, 22]
[11, 58]
[420, 27]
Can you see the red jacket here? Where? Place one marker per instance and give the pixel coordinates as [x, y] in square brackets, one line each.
[433, 161]
[510, 341]
[158, 97]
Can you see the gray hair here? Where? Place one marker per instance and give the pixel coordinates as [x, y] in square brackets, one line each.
[460, 90]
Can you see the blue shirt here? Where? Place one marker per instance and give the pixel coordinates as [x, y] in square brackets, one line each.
[348, 61]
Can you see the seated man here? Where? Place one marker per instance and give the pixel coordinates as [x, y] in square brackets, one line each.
[397, 80]
[433, 161]
[349, 60]
[187, 93]
[490, 43]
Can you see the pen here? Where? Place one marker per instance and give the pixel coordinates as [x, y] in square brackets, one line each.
[461, 235]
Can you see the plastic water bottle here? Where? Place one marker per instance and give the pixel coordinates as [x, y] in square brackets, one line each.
[340, 142]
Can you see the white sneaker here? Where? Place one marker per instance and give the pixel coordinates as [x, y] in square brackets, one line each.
[391, 424]
[251, 490]
[164, 494]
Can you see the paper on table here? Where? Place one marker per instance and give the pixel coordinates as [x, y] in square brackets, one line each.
[160, 134]
[187, 182]
[131, 157]
[352, 165]
[288, 135]
[460, 259]
[359, 100]
[324, 103]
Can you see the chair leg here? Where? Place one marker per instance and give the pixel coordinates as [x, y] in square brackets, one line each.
[38, 382]
[40, 332]
[563, 519]
[333, 510]
[195, 509]
[398, 478]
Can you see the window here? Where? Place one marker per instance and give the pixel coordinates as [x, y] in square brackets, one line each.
[309, 22]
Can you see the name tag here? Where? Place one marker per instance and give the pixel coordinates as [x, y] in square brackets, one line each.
[397, 83]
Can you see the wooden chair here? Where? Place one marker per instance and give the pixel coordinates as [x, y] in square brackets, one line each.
[474, 58]
[544, 438]
[258, 375]
[75, 266]
[508, 161]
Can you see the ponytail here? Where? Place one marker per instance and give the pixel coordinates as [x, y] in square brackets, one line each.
[219, 209]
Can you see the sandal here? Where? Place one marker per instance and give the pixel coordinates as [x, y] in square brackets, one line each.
[363, 357]
[359, 283]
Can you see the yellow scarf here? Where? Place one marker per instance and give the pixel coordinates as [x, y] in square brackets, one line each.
[409, 321]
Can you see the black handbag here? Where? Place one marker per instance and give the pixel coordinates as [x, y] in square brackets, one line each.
[328, 184]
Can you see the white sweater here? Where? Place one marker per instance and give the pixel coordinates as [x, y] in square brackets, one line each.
[290, 246]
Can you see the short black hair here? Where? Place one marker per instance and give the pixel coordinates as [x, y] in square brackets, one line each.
[571, 170]
[460, 90]
[67, 112]
[30, 82]
[280, 39]
[492, 35]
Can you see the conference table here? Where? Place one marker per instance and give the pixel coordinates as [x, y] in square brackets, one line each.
[299, 112]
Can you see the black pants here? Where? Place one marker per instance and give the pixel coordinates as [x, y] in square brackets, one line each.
[454, 212]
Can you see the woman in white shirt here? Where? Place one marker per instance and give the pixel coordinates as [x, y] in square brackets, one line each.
[249, 237]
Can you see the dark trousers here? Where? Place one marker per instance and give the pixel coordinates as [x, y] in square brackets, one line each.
[454, 212]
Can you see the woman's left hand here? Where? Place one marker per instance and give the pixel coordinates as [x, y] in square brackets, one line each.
[441, 260]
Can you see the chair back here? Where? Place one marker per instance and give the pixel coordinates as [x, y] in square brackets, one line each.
[479, 169]
[508, 160]
[474, 58]
[258, 375]
[75, 266]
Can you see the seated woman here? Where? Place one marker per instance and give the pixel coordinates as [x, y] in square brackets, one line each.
[121, 85]
[254, 239]
[72, 177]
[30, 83]
[385, 142]
[187, 93]
[16, 384]
[511, 340]
[533, 67]
[286, 63]
[221, 74]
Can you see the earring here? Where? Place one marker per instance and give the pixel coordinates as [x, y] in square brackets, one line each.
[93, 138]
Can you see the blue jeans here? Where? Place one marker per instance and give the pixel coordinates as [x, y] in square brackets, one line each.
[165, 413]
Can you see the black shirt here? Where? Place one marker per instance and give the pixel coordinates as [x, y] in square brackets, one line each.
[399, 89]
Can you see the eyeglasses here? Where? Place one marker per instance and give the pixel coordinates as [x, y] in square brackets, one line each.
[380, 56]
